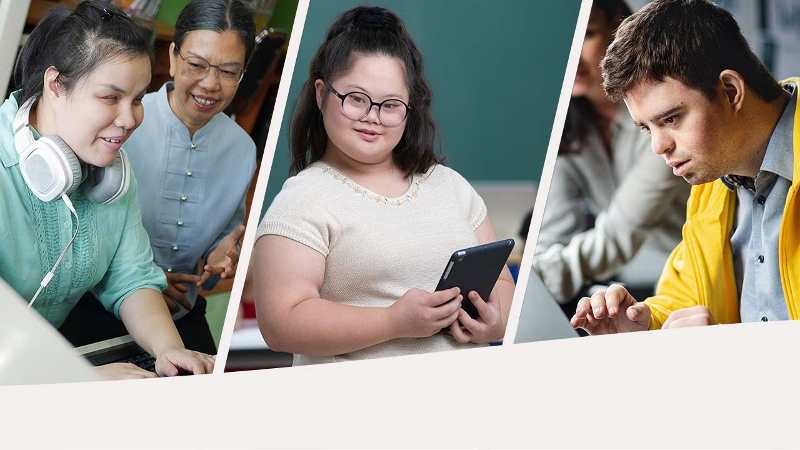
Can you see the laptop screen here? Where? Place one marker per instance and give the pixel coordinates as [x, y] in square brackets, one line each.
[541, 318]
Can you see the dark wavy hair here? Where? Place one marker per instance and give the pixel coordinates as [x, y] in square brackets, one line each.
[218, 16]
[691, 41]
[366, 31]
[76, 43]
[582, 117]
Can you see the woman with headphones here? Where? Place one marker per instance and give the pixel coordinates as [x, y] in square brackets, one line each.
[70, 220]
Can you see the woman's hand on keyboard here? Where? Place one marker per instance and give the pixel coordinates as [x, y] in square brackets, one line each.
[123, 371]
[177, 361]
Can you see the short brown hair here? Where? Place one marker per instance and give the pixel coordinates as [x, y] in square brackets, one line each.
[689, 40]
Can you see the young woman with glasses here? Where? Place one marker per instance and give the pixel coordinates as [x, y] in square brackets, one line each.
[350, 249]
[194, 165]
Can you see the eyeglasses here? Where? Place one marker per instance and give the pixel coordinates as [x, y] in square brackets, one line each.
[197, 68]
[357, 105]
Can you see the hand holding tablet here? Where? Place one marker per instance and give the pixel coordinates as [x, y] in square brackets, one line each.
[475, 269]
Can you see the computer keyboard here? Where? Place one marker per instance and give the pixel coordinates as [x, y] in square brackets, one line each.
[143, 360]
[121, 350]
[118, 350]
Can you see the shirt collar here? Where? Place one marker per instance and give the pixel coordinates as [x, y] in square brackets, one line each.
[173, 121]
[166, 111]
[8, 152]
[779, 156]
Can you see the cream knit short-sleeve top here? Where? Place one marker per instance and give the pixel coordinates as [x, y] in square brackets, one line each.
[377, 248]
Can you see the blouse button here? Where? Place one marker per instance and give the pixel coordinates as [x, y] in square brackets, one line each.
[169, 270]
[189, 173]
[174, 248]
[194, 146]
[68, 265]
[183, 198]
[761, 199]
[180, 223]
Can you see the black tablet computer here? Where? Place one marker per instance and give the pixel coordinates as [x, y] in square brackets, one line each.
[475, 269]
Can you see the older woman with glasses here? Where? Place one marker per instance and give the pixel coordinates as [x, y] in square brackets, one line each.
[349, 249]
[194, 166]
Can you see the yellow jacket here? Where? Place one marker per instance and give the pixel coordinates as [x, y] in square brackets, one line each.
[700, 269]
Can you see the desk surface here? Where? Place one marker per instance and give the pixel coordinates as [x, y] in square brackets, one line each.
[38, 9]
[248, 351]
[248, 338]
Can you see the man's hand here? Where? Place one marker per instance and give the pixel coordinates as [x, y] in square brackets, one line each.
[223, 259]
[696, 316]
[173, 295]
[611, 311]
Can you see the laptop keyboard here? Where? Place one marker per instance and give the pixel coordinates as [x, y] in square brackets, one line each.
[142, 360]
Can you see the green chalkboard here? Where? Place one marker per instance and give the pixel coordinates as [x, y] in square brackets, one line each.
[496, 69]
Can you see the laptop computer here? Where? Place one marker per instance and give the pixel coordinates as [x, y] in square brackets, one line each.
[31, 350]
[541, 318]
[118, 350]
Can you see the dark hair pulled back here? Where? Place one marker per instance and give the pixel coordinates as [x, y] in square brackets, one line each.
[219, 16]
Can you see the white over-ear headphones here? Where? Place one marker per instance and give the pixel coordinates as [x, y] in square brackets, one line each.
[51, 169]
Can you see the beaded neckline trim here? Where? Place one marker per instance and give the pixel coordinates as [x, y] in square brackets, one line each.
[406, 198]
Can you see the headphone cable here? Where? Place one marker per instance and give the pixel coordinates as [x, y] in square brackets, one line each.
[46, 280]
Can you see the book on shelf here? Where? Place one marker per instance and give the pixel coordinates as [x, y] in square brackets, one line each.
[143, 9]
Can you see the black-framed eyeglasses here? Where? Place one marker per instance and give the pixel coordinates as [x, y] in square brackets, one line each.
[357, 105]
[197, 68]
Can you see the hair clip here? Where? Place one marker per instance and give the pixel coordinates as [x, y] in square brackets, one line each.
[372, 19]
[106, 14]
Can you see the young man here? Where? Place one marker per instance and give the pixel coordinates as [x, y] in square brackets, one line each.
[723, 123]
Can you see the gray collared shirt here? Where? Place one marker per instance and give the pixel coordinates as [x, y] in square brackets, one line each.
[759, 213]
